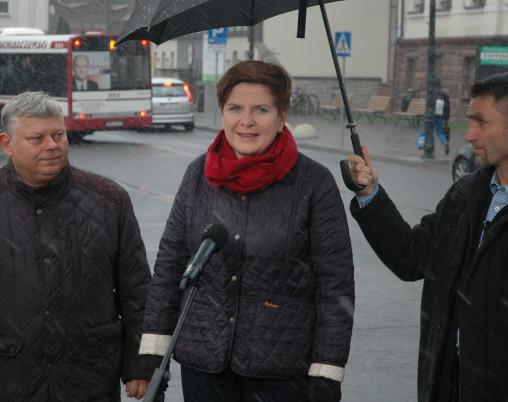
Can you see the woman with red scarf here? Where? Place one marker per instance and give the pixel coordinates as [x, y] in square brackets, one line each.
[273, 315]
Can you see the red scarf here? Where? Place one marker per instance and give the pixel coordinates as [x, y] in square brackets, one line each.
[250, 173]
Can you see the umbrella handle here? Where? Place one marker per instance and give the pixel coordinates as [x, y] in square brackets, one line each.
[355, 139]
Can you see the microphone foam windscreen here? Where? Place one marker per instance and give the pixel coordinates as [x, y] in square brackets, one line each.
[217, 233]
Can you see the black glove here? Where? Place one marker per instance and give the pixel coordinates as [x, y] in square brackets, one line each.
[324, 390]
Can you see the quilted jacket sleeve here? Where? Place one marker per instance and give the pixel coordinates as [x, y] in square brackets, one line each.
[333, 269]
[404, 250]
[132, 278]
[164, 295]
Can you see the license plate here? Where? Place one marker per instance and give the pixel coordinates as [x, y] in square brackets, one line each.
[114, 123]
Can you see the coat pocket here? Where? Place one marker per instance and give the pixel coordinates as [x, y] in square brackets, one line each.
[103, 333]
[10, 346]
[281, 335]
[96, 343]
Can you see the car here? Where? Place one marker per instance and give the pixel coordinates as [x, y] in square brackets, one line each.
[464, 162]
[172, 103]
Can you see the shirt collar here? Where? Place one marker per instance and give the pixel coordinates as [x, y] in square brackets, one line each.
[495, 186]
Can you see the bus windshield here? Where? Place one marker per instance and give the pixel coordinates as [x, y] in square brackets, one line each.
[98, 67]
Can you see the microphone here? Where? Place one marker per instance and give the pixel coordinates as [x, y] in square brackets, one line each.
[213, 239]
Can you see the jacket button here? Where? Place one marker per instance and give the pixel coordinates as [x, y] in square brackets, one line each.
[237, 237]
[46, 261]
[243, 197]
[234, 278]
[47, 312]
[38, 211]
[231, 320]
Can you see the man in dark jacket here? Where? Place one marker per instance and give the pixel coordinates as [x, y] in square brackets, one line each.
[73, 269]
[461, 253]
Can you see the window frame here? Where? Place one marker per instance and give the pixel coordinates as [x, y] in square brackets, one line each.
[7, 2]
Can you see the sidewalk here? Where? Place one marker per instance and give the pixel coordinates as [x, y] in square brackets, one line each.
[386, 142]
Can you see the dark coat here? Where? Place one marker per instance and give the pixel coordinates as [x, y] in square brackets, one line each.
[279, 295]
[73, 277]
[90, 85]
[465, 286]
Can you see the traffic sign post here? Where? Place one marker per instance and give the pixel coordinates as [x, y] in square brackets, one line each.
[343, 49]
[217, 42]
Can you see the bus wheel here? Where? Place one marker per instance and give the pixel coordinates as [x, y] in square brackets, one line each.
[75, 137]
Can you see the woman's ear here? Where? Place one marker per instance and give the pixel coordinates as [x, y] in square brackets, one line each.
[283, 118]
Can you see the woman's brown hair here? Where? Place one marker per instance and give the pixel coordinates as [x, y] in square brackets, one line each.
[270, 75]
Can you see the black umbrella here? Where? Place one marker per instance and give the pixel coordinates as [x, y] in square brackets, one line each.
[162, 20]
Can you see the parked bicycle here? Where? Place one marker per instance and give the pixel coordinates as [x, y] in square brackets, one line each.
[303, 103]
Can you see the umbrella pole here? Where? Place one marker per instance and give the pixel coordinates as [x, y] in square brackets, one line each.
[355, 138]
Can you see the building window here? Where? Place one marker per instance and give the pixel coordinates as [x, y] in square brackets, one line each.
[415, 6]
[443, 5]
[4, 6]
[474, 3]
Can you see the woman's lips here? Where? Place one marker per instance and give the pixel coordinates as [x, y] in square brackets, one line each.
[247, 136]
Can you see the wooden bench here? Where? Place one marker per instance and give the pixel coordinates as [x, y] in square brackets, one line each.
[415, 111]
[332, 109]
[376, 108]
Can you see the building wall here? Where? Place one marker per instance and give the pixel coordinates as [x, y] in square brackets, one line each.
[459, 21]
[456, 67]
[460, 31]
[369, 22]
[26, 13]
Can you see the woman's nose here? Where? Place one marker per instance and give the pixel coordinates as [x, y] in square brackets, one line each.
[247, 119]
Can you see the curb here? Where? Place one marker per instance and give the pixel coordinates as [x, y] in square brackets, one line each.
[407, 161]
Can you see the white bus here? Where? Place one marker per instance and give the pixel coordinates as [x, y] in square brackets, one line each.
[100, 86]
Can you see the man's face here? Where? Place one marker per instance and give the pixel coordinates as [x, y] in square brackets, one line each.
[80, 68]
[38, 148]
[488, 131]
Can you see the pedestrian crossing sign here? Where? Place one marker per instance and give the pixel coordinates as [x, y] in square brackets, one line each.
[343, 44]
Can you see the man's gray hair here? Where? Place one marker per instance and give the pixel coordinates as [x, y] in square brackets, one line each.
[29, 104]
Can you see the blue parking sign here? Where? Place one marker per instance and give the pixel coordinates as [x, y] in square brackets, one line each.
[218, 36]
[343, 44]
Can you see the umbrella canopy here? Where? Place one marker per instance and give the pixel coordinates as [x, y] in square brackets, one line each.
[162, 20]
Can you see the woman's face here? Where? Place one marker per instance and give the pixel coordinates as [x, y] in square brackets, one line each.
[251, 120]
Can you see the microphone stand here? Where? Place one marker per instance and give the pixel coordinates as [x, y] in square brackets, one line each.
[162, 375]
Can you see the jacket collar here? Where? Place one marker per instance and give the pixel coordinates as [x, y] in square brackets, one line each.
[43, 195]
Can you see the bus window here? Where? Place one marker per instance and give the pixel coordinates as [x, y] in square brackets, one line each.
[33, 72]
[130, 67]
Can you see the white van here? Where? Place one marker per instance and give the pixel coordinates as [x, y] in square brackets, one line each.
[171, 103]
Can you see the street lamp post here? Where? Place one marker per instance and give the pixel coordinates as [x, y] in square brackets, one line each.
[252, 39]
[428, 147]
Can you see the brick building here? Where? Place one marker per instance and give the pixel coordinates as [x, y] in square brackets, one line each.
[462, 27]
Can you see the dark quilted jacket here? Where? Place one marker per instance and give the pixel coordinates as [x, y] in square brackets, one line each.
[71, 263]
[280, 294]
[465, 285]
